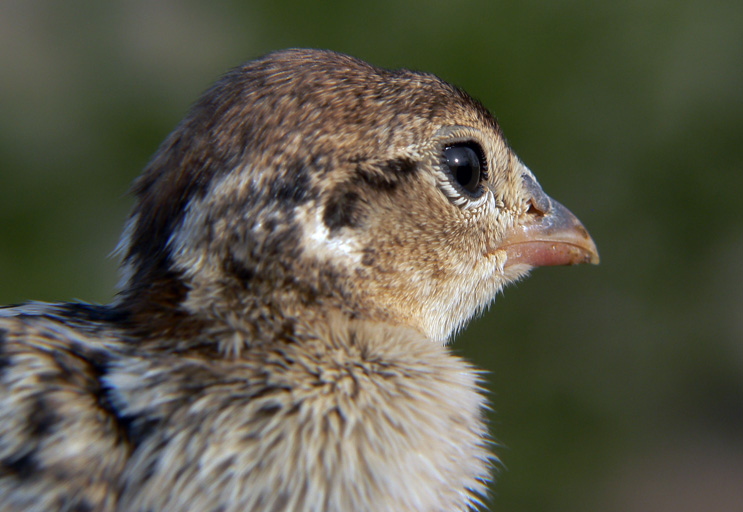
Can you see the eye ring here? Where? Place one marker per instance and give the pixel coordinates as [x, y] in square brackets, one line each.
[465, 165]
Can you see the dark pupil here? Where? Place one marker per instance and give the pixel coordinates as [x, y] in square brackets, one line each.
[464, 164]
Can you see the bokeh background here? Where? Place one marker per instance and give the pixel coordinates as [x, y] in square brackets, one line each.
[615, 388]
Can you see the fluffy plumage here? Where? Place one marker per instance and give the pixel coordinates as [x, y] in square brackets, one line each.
[301, 248]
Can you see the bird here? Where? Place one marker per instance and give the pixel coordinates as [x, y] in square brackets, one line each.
[301, 251]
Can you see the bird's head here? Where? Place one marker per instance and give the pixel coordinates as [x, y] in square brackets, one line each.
[309, 180]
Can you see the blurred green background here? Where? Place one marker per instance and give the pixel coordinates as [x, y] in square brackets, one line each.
[615, 388]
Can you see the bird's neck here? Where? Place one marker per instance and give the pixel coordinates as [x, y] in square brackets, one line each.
[229, 315]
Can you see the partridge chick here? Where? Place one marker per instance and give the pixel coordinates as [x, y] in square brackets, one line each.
[302, 247]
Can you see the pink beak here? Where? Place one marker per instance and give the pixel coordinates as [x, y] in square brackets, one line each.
[552, 236]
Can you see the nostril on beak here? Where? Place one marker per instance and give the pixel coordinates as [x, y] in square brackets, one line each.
[534, 209]
[540, 203]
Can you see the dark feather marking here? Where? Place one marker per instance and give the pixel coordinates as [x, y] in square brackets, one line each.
[369, 258]
[154, 309]
[133, 429]
[138, 428]
[4, 357]
[342, 206]
[241, 272]
[266, 411]
[41, 418]
[402, 167]
[293, 188]
[388, 176]
[341, 210]
[91, 313]
[82, 505]
[23, 467]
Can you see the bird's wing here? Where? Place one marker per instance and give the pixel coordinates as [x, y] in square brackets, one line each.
[61, 443]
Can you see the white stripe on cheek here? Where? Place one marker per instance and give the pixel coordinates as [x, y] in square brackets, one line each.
[317, 240]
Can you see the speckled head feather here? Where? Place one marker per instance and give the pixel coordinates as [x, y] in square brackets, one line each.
[301, 247]
[314, 174]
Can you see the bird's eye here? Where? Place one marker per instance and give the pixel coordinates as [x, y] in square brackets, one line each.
[466, 165]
